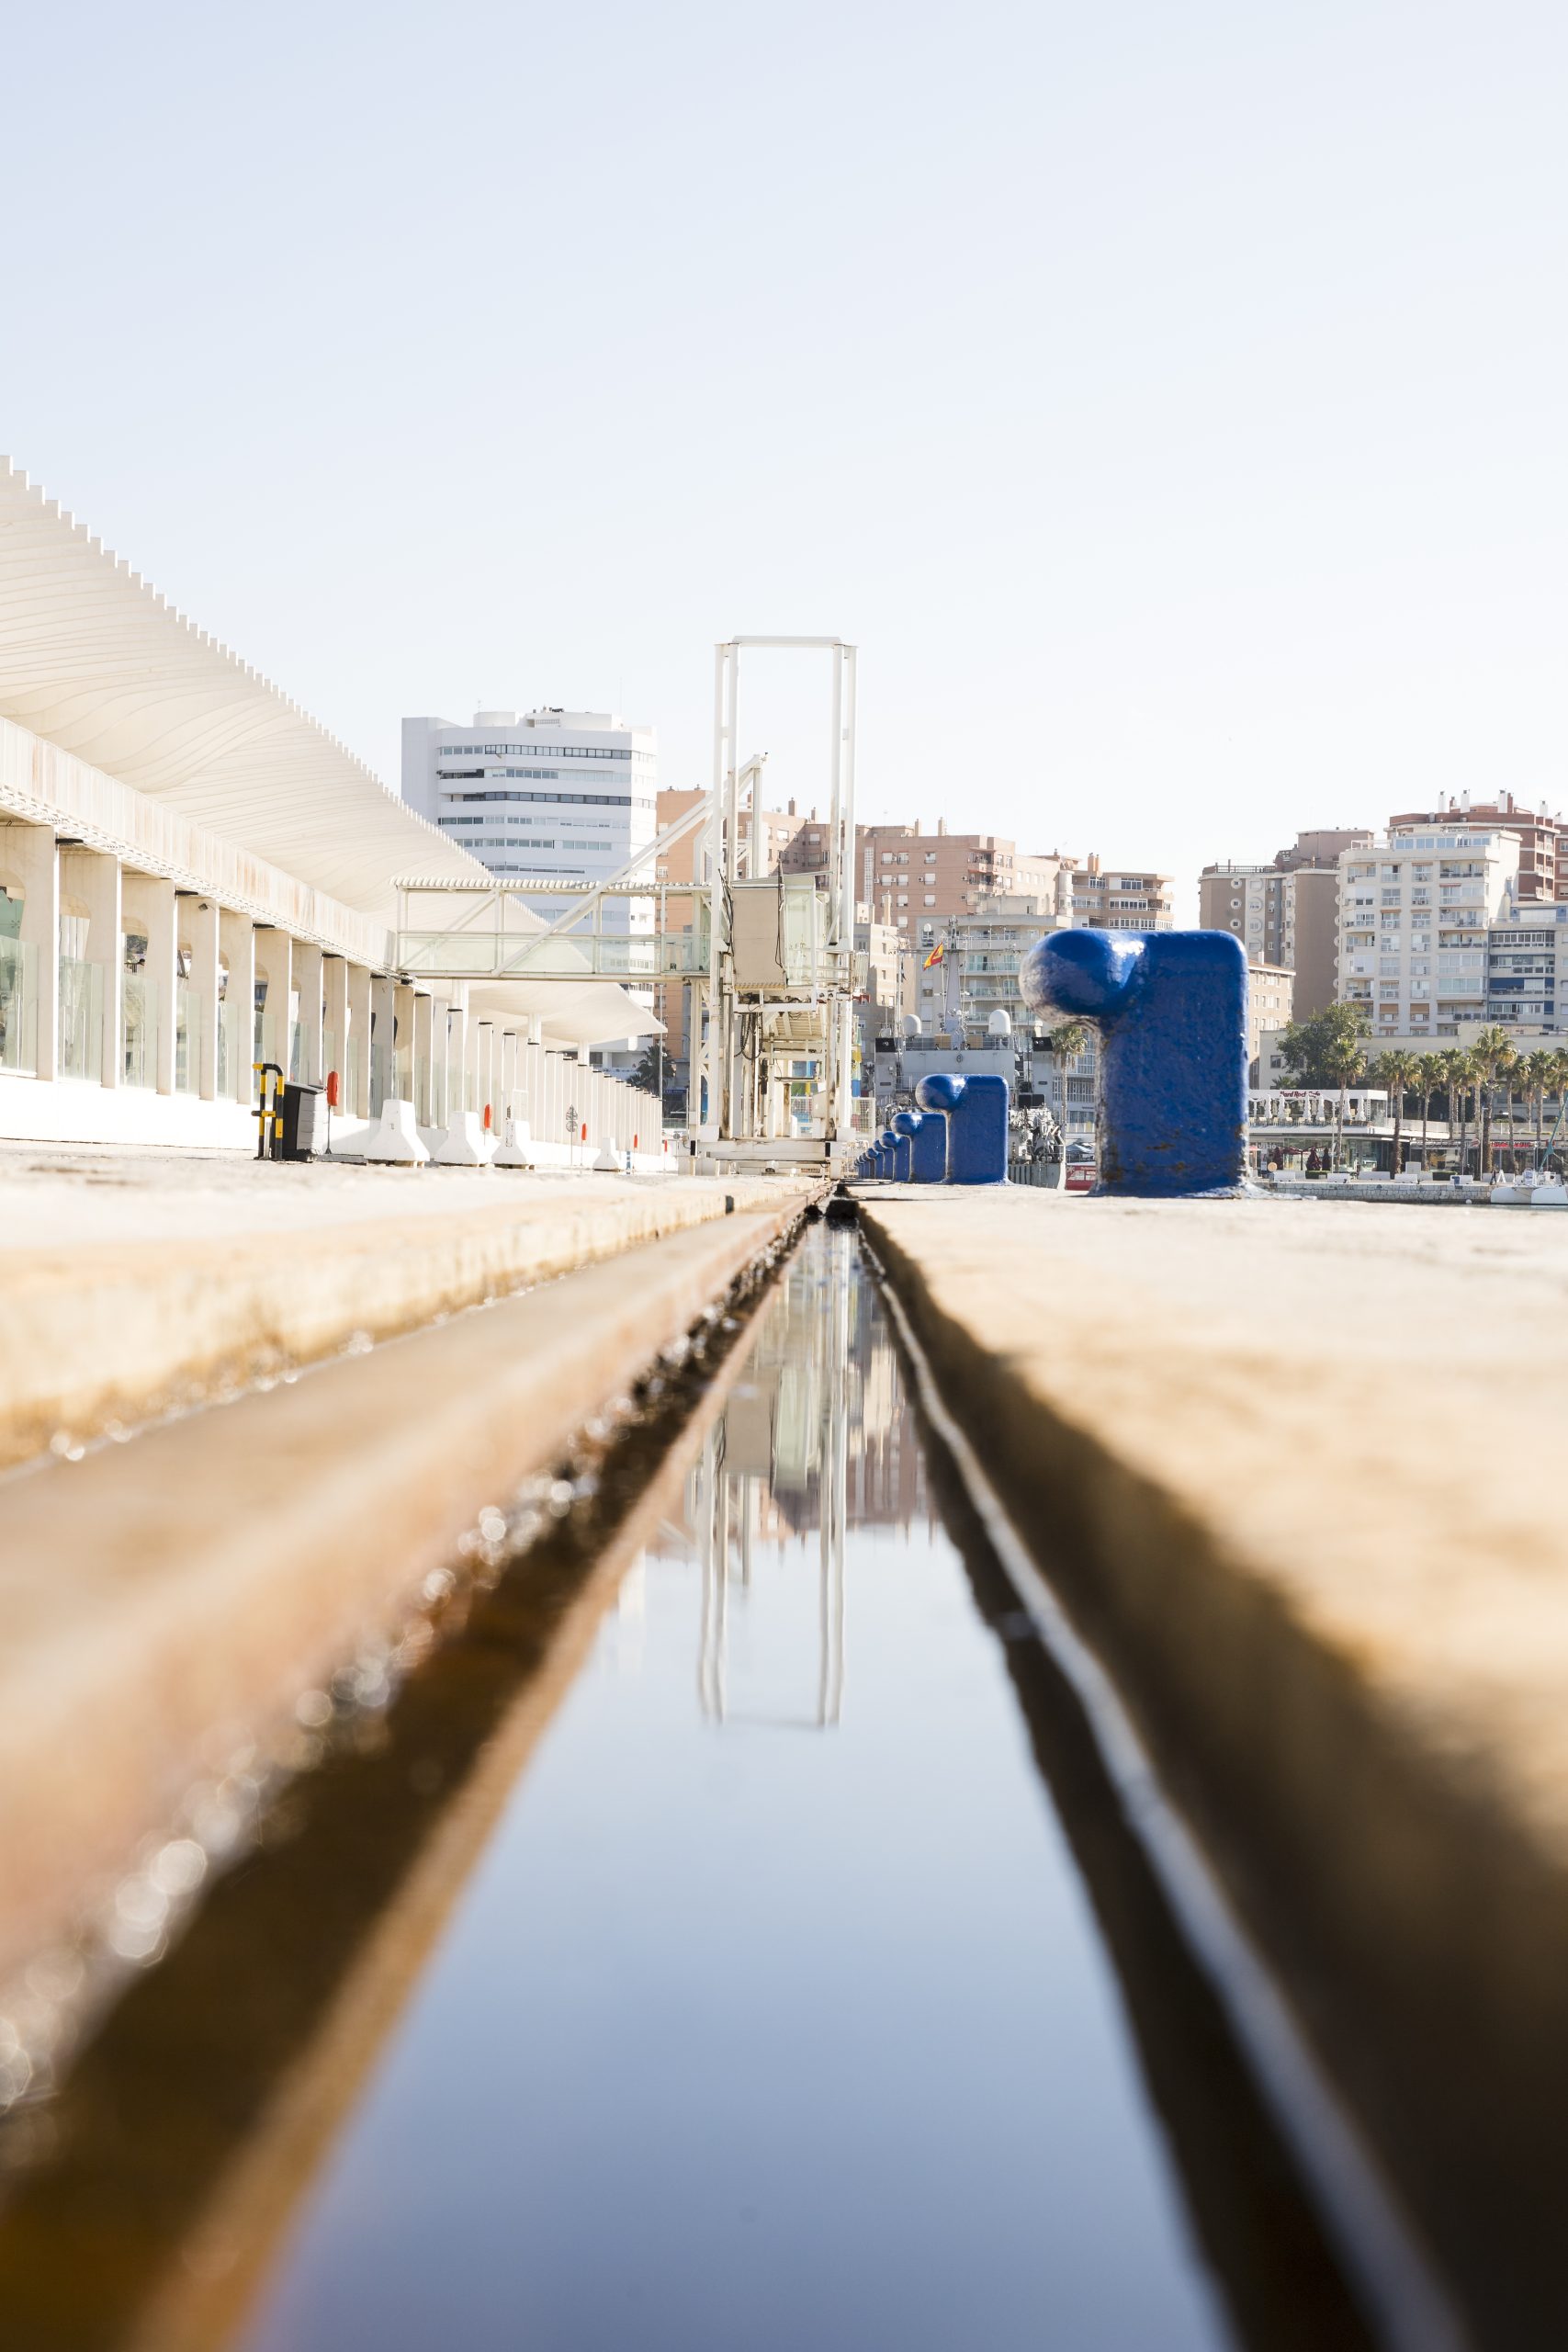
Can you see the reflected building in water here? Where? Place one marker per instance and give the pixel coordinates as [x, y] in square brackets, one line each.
[816, 1435]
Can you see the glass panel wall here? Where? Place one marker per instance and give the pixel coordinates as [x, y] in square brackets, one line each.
[81, 1020]
[18, 1006]
[139, 1030]
[187, 1039]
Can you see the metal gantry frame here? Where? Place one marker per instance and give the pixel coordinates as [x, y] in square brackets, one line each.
[727, 1108]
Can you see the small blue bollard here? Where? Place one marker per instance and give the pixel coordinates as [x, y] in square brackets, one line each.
[1172, 1011]
[901, 1160]
[977, 1124]
[889, 1142]
[928, 1145]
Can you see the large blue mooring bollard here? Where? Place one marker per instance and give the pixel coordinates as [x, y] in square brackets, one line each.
[977, 1118]
[1172, 1011]
[928, 1145]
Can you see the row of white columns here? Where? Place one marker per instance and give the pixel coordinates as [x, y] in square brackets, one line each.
[386, 1038]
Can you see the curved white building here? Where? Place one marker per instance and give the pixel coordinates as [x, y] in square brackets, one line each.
[194, 876]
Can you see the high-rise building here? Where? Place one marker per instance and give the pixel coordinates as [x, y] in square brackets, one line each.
[554, 792]
[1415, 912]
[1543, 839]
[1286, 913]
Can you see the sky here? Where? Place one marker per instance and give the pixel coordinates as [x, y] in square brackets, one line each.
[1169, 401]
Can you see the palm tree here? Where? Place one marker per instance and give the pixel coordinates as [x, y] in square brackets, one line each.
[1429, 1083]
[1460, 1080]
[1491, 1055]
[1345, 1059]
[1453, 1069]
[1400, 1071]
[1066, 1041]
[1536, 1072]
[1558, 1084]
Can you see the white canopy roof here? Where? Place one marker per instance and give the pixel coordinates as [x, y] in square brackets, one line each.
[94, 659]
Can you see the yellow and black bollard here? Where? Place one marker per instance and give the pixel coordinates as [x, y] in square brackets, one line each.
[269, 1108]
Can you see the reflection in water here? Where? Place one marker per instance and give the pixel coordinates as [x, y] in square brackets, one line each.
[638, 2020]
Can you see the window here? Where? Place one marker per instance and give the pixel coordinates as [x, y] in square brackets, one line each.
[930, 857]
[930, 897]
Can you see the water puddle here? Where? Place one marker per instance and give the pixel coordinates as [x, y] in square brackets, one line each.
[731, 1941]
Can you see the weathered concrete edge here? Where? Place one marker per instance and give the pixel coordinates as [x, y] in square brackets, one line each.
[106, 1335]
[234, 1558]
[1420, 1931]
[200, 2305]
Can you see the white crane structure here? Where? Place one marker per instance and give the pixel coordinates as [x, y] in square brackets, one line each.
[769, 959]
[774, 1076]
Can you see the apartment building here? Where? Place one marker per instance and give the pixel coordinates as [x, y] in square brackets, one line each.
[978, 974]
[1543, 839]
[1415, 911]
[911, 878]
[1525, 989]
[1107, 899]
[1270, 995]
[1286, 913]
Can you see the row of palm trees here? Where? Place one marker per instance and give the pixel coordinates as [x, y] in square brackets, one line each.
[1469, 1078]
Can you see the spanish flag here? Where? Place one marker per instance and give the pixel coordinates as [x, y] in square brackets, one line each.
[937, 955]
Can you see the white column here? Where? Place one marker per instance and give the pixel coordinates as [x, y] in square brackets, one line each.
[152, 908]
[335, 1026]
[237, 946]
[456, 1062]
[29, 854]
[94, 879]
[199, 922]
[403, 1018]
[275, 962]
[424, 1060]
[382, 1015]
[308, 961]
[356, 1051]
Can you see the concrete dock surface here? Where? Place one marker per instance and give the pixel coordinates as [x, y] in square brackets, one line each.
[1296, 1469]
[134, 1282]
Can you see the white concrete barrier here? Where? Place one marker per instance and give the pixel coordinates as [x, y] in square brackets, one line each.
[512, 1152]
[466, 1145]
[397, 1137]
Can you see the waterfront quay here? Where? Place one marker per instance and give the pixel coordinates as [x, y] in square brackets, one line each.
[521, 1622]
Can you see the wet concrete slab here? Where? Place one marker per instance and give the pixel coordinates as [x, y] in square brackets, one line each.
[134, 1282]
[1297, 1471]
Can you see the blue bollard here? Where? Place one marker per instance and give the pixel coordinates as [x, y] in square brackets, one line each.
[976, 1125]
[928, 1145]
[1172, 1011]
[901, 1160]
[890, 1154]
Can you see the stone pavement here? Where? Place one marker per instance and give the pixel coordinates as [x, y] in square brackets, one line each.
[1298, 1470]
[134, 1282]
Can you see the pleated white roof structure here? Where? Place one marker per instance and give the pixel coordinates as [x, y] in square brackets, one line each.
[93, 658]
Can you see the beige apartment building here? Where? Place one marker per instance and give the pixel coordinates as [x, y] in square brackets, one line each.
[1543, 838]
[1108, 899]
[1287, 913]
[1270, 989]
[912, 879]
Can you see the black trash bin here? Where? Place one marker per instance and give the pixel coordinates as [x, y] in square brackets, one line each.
[304, 1122]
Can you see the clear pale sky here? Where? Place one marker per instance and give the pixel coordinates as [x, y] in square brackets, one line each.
[1170, 400]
